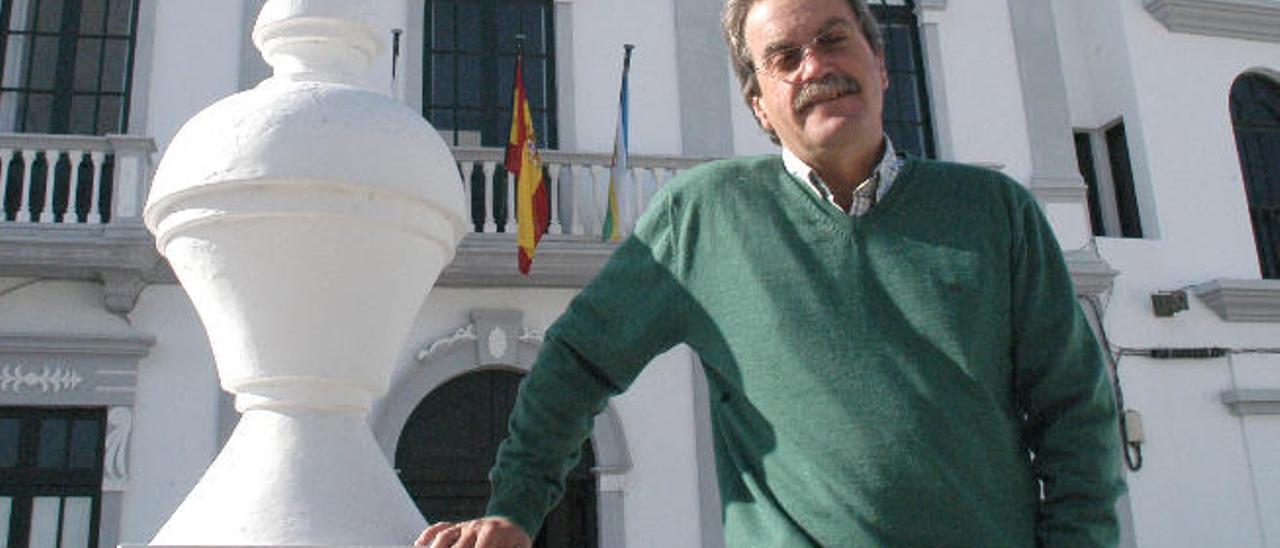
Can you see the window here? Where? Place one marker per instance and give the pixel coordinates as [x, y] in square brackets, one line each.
[1255, 115]
[906, 102]
[1103, 158]
[50, 477]
[66, 65]
[469, 63]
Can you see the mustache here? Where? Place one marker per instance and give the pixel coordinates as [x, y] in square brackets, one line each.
[827, 87]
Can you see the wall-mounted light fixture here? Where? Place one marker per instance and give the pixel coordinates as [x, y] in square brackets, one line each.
[1168, 303]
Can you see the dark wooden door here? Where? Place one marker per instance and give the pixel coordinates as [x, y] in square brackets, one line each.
[449, 444]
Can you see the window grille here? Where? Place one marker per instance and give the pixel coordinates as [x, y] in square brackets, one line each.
[1255, 115]
[469, 63]
[50, 476]
[67, 65]
[907, 117]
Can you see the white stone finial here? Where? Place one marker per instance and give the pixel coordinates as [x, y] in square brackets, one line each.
[307, 218]
[318, 40]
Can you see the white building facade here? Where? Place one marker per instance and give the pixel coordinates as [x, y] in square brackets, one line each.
[1150, 129]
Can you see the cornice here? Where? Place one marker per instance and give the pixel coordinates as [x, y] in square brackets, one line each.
[1244, 402]
[1242, 300]
[1090, 273]
[90, 345]
[122, 256]
[1245, 19]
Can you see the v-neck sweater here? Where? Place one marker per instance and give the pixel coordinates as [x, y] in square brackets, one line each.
[921, 375]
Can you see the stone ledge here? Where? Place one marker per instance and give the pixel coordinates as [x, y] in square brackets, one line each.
[489, 260]
[1242, 300]
[1245, 402]
[1090, 274]
[1245, 19]
[122, 256]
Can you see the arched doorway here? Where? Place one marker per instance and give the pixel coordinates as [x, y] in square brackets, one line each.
[448, 445]
[1255, 116]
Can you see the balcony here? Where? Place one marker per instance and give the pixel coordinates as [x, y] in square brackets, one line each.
[72, 209]
[82, 219]
[572, 251]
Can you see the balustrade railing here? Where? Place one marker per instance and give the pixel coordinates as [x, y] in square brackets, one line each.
[73, 179]
[578, 184]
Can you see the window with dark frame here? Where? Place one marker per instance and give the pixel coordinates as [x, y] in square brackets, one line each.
[1103, 159]
[67, 65]
[1255, 116]
[469, 65]
[906, 103]
[51, 476]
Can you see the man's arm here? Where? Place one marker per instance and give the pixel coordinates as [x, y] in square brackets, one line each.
[634, 310]
[1062, 386]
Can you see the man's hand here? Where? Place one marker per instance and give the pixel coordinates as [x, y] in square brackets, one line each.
[477, 533]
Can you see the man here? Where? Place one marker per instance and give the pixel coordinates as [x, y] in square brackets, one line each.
[893, 349]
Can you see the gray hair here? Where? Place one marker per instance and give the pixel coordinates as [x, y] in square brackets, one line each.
[733, 20]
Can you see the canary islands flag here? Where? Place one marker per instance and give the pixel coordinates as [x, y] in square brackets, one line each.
[618, 173]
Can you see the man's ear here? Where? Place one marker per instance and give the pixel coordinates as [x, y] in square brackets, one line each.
[761, 116]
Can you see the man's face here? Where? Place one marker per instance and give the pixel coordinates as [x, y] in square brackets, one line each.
[821, 84]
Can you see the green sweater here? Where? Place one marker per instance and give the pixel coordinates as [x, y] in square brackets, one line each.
[911, 377]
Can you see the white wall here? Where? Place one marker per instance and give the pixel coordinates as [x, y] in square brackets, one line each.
[195, 61]
[984, 98]
[599, 31]
[176, 414]
[1209, 478]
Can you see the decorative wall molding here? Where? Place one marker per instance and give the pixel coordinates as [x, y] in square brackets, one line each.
[530, 335]
[13, 378]
[48, 370]
[462, 335]
[1244, 19]
[115, 463]
[497, 346]
[1242, 300]
[1244, 402]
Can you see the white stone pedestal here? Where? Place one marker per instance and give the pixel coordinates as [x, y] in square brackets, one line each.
[307, 219]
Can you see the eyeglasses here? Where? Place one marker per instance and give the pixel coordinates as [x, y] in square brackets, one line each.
[784, 61]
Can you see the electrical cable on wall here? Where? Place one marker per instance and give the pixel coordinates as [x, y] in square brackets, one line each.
[1130, 437]
[1130, 421]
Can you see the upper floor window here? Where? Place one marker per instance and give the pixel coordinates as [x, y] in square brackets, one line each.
[50, 476]
[906, 102]
[1255, 115]
[67, 65]
[469, 63]
[1103, 158]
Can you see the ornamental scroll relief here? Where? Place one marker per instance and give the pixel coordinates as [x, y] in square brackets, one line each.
[49, 380]
[115, 464]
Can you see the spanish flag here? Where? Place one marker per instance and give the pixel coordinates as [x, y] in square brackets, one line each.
[532, 207]
[618, 174]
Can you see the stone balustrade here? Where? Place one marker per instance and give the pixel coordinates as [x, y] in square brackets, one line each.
[579, 184]
[73, 179]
